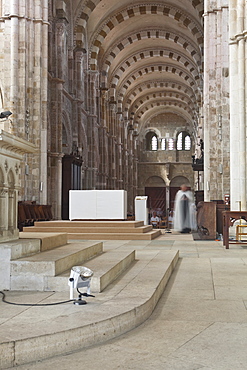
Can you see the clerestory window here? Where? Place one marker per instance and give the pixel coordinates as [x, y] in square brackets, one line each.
[170, 143]
[183, 141]
[151, 141]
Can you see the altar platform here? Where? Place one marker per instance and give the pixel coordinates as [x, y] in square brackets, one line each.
[129, 279]
[97, 230]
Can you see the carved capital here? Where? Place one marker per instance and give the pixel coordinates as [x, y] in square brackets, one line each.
[11, 193]
[79, 56]
[3, 192]
[60, 29]
[93, 75]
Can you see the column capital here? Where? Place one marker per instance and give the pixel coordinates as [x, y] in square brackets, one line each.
[60, 28]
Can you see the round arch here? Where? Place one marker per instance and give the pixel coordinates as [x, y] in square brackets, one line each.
[177, 181]
[155, 181]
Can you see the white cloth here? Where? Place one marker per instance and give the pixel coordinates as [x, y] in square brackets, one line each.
[184, 212]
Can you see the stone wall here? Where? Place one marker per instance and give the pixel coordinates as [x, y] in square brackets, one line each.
[23, 75]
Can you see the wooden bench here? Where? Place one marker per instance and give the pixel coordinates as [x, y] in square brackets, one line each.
[29, 212]
[163, 223]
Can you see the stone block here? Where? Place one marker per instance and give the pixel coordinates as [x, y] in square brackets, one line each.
[32, 268]
[27, 282]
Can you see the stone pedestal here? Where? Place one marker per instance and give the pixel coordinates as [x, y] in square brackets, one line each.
[12, 150]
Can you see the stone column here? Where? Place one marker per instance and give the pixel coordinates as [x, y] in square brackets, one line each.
[14, 43]
[4, 210]
[120, 153]
[56, 183]
[79, 75]
[207, 56]
[216, 101]
[44, 102]
[238, 55]
[135, 164]
[11, 210]
[92, 128]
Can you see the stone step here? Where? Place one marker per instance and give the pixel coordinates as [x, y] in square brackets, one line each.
[30, 273]
[94, 223]
[56, 330]
[48, 240]
[89, 230]
[12, 250]
[115, 236]
[106, 267]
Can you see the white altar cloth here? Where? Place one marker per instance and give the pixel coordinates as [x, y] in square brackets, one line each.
[97, 205]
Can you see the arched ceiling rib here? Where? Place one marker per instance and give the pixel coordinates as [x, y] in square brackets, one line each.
[83, 9]
[148, 53]
[137, 16]
[177, 54]
[169, 87]
[154, 69]
[163, 109]
[152, 97]
[144, 82]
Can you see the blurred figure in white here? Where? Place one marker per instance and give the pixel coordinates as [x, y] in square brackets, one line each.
[184, 211]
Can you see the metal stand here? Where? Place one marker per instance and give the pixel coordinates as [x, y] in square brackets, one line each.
[80, 301]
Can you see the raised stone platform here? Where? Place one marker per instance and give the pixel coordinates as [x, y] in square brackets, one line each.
[35, 333]
[98, 230]
[47, 240]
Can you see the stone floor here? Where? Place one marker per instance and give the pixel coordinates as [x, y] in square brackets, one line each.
[200, 321]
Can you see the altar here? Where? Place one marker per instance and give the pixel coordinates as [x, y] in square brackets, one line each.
[97, 205]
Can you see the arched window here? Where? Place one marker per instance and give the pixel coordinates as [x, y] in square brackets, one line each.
[187, 143]
[183, 141]
[180, 141]
[170, 144]
[163, 144]
[151, 141]
[154, 144]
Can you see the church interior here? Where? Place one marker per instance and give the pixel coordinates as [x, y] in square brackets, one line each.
[111, 96]
[135, 96]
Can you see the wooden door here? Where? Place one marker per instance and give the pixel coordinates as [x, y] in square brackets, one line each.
[156, 198]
